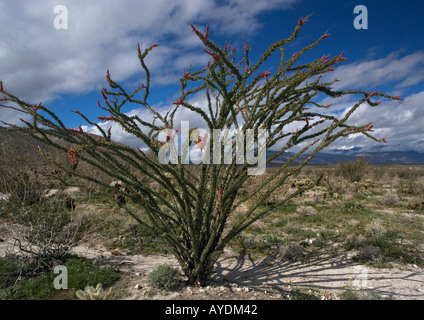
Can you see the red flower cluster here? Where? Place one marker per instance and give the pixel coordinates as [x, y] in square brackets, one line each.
[106, 118]
[72, 153]
[199, 34]
[79, 130]
[213, 54]
[303, 20]
[265, 75]
[201, 142]
[179, 101]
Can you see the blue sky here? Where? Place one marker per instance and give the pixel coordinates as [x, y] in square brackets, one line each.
[65, 69]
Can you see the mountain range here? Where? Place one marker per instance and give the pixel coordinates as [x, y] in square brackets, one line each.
[15, 142]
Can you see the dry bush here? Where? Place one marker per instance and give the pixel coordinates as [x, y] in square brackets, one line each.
[375, 228]
[352, 170]
[292, 252]
[370, 253]
[390, 199]
[355, 240]
[307, 211]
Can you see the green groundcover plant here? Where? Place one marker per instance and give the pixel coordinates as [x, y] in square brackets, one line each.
[191, 211]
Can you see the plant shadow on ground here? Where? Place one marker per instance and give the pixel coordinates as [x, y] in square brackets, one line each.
[318, 272]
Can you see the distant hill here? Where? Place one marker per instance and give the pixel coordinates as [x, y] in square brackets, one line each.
[386, 157]
[13, 143]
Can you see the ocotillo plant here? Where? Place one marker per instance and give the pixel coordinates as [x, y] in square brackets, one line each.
[190, 212]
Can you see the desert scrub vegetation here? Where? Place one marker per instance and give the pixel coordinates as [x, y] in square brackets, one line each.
[192, 213]
[18, 282]
[165, 277]
[353, 171]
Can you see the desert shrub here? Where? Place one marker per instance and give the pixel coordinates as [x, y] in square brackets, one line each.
[390, 199]
[351, 294]
[307, 211]
[44, 233]
[352, 170]
[292, 252]
[304, 294]
[25, 285]
[22, 186]
[375, 228]
[164, 277]
[354, 241]
[410, 187]
[370, 253]
[417, 205]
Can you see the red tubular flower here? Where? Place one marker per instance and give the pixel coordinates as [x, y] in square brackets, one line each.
[302, 21]
[207, 32]
[330, 105]
[3, 99]
[138, 49]
[398, 98]
[72, 153]
[324, 36]
[1, 86]
[265, 75]
[336, 80]
[35, 108]
[213, 54]
[325, 59]
[108, 75]
[201, 142]
[246, 68]
[186, 74]
[221, 190]
[79, 130]
[372, 94]
[26, 122]
[316, 141]
[106, 118]
[294, 54]
[384, 140]
[197, 32]
[104, 93]
[340, 57]
[179, 101]
[331, 68]
[155, 45]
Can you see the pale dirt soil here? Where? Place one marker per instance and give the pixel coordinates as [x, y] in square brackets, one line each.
[239, 278]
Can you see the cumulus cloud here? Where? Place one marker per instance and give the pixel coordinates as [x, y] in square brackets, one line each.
[400, 122]
[403, 71]
[40, 62]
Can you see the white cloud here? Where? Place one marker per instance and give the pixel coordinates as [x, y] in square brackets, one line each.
[400, 122]
[404, 71]
[39, 62]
